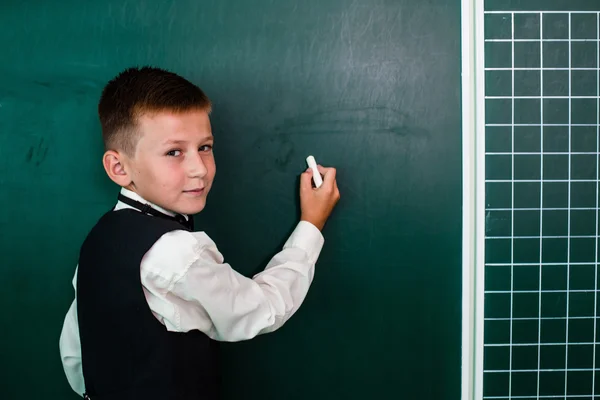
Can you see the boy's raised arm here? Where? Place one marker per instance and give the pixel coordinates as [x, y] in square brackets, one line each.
[189, 287]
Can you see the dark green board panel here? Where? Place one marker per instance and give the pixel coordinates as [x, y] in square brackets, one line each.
[372, 89]
[541, 277]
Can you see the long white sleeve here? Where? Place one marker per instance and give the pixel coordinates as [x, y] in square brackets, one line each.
[70, 348]
[188, 286]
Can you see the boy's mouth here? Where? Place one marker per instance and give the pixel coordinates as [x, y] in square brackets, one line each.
[195, 191]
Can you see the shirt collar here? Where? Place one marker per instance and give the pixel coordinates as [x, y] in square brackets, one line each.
[134, 196]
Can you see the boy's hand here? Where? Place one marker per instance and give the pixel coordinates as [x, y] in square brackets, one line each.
[317, 204]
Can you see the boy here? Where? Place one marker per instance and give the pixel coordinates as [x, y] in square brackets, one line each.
[153, 297]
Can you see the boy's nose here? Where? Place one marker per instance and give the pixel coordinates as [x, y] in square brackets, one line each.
[195, 166]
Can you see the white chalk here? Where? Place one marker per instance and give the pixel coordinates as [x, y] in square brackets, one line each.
[312, 164]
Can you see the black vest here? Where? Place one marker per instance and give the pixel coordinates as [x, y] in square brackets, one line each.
[126, 352]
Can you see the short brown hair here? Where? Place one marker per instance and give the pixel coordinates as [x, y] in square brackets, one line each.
[136, 91]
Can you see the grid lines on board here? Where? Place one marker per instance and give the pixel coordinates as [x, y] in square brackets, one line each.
[542, 77]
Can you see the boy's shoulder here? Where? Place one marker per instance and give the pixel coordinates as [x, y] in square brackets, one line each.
[129, 226]
[120, 239]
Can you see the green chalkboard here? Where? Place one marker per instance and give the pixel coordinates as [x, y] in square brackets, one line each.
[372, 88]
[541, 272]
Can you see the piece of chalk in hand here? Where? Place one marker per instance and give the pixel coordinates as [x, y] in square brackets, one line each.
[312, 164]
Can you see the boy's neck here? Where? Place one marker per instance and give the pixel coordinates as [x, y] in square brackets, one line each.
[134, 196]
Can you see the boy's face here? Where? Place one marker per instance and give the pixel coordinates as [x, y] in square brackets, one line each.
[173, 165]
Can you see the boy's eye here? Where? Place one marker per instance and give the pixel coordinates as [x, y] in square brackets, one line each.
[206, 148]
[174, 153]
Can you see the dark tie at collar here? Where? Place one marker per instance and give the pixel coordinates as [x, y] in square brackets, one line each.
[147, 209]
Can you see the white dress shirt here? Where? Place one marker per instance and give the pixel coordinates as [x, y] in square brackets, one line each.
[188, 286]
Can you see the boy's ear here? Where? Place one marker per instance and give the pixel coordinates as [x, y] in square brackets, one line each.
[114, 165]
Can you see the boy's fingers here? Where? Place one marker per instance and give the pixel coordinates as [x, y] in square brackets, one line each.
[305, 179]
[328, 174]
[322, 169]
